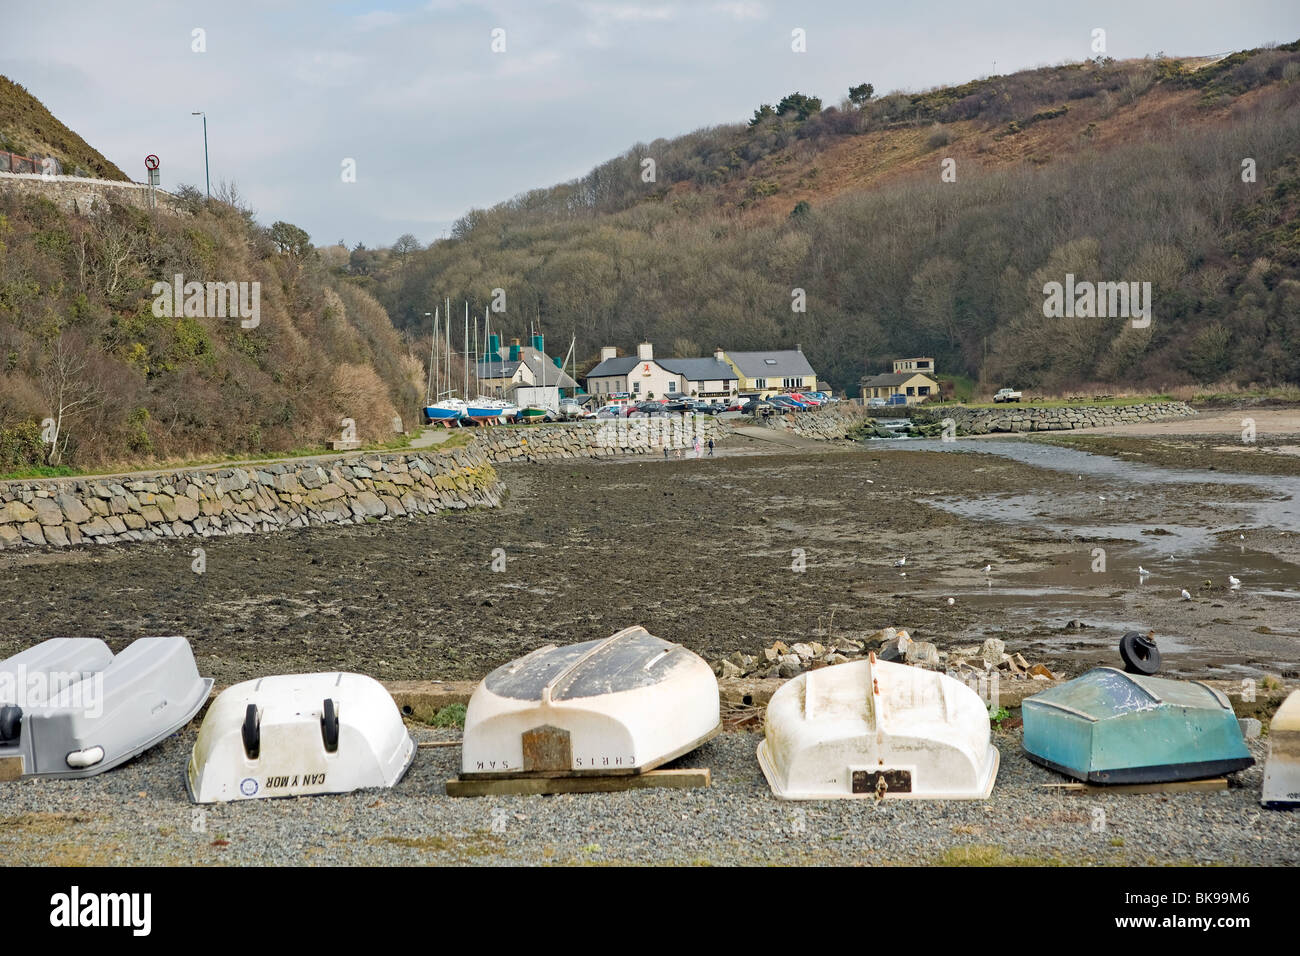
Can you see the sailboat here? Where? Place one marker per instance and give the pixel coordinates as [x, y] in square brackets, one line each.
[447, 411]
[484, 410]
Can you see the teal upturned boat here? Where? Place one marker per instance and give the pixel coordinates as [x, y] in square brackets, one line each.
[1111, 727]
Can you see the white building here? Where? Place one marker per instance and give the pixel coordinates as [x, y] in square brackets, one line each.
[642, 377]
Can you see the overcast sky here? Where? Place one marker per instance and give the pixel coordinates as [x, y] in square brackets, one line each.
[437, 123]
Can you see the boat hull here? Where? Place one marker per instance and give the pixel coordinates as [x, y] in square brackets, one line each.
[1282, 769]
[286, 747]
[1107, 726]
[624, 705]
[120, 706]
[877, 730]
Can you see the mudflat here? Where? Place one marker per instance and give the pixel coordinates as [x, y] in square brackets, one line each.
[721, 554]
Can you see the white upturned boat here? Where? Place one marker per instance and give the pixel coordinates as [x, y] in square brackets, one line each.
[622, 705]
[1282, 769]
[296, 735]
[875, 729]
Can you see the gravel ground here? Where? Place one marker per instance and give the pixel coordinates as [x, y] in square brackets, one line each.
[139, 815]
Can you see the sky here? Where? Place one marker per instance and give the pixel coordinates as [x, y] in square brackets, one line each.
[438, 122]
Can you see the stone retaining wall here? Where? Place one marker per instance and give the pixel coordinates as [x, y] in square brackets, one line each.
[825, 423]
[1016, 418]
[77, 195]
[607, 438]
[246, 498]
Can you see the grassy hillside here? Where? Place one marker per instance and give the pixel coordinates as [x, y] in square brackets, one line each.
[1113, 171]
[78, 330]
[28, 129]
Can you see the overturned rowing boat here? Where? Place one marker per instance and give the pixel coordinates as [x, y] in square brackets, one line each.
[296, 735]
[622, 705]
[70, 708]
[1107, 726]
[1282, 769]
[871, 728]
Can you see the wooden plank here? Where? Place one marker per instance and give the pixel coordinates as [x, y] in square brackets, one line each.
[547, 748]
[1172, 786]
[532, 786]
[11, 768]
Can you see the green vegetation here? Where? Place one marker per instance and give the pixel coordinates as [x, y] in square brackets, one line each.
[127, 388]
[916, 267]
[28, 129]
[453, 715]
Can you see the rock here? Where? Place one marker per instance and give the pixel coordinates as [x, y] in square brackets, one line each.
[921, 652]
[787, 670]
[73, 509]
[47, 512]
[31, 532]
[16, 511]
[845, 646]
[992, 652]
[1250, 727]
[836, 659]
[187, 509]
[56, 536]
[803, 651]
[727, 669]
[1020, 662]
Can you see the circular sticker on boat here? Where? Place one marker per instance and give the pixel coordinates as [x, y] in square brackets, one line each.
[248, 786]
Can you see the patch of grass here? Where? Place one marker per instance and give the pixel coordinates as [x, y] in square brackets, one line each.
[998, 715]
[976, 854]
[453, 715]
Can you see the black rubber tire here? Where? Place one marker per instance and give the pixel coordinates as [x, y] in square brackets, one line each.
[252, 732]
[1139, 653]
[329, 725]
[11, 720]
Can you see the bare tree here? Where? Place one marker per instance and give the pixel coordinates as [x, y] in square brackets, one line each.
[68, 393]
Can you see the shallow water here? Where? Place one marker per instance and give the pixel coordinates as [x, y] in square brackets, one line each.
[1175, 556]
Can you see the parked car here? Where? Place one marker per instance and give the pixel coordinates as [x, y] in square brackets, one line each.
[1006, 395]
[877, 402]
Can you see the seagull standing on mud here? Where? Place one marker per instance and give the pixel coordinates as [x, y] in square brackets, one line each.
[1142, 572]
[1234, 582]
[901, 561]
[1186, 596]
[987, 568]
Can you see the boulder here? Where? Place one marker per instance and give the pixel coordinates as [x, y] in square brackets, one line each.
[73, 509]
[992, 651]
[47, 512]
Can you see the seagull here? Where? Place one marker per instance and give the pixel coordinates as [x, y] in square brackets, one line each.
[1235, 582]
[951, 602]
[1186, 596]
[1142, 572]
[987, 568]
[901, 561]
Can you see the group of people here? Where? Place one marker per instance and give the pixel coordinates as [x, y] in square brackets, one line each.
[698, 449]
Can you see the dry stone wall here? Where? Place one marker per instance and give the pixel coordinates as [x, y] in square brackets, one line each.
[825, 423]
[1017, 418]
[606, 438]
[246, 498]
[76, 195]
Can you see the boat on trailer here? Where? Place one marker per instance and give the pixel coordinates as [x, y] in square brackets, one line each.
[69, 707]
[622, 705]
[296, 735]
[489, 411]
[448, 412]
[1282, 768]
[1107, 726]
[875, 729]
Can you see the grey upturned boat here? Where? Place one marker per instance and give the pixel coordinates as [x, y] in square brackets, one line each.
[70, 708]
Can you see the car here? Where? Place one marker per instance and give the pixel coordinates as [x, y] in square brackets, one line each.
[1006, 395]
[876, 403]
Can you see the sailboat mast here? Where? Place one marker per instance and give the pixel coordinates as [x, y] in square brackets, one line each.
[433, 357]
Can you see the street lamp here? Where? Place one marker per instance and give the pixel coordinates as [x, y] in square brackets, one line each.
[207, 176]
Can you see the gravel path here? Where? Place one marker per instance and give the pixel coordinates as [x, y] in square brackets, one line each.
[139, 815]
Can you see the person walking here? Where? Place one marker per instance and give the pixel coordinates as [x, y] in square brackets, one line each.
[710, 447]
[697, 447]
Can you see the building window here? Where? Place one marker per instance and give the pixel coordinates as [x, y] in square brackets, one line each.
[636, 388]
[760, 383]
[911, 390]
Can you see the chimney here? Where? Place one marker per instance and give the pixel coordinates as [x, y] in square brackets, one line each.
[514, 351]
[798, 347]
[645, 351]
[719, 355]
[608, 352]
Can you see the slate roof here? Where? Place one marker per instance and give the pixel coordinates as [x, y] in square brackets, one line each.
[506, 369]
[619, 365]
[700, 369]
[789, 363]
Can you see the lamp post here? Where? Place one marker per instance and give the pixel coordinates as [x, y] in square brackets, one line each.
[207, 176]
